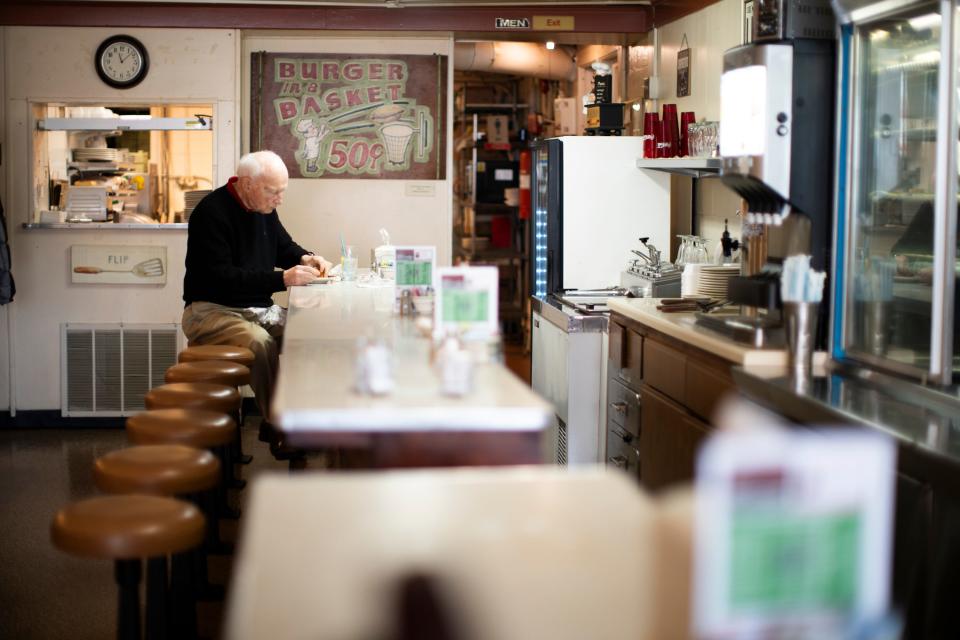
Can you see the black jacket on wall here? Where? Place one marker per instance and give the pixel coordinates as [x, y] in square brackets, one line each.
[7, 287]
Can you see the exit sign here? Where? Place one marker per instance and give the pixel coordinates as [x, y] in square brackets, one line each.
[553, 23]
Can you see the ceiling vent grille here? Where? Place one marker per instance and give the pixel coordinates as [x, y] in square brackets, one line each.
[107, 368]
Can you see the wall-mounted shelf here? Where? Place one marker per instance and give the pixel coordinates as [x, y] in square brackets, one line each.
[126, 124]
[690, 167]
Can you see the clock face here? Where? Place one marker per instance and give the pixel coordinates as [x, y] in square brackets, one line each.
[122, 61]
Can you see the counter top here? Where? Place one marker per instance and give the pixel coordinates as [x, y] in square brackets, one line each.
[917, 417]
[315, 385]
[682, 326]
[521, 553]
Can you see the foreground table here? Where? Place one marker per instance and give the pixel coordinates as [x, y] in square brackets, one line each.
[528, 552]
[502, 421]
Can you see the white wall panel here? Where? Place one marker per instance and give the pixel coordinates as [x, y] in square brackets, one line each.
[710, 32]
[45, 64]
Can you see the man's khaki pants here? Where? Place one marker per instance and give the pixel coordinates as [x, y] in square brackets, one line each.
[209, 323]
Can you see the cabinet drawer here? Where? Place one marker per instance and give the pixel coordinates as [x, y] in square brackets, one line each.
[665, 369]
[625, 354]
[706, 386]
[622, 452]
[623, 406]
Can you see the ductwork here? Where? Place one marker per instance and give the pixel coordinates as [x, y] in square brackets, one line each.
[516, 58]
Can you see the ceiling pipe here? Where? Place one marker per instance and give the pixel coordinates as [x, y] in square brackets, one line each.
[516, 58]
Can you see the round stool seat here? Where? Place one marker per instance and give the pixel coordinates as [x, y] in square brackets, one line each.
[225, 372]
[127, 527]
[240, 355]
[192, 427]
[157, 469]
[194, 395]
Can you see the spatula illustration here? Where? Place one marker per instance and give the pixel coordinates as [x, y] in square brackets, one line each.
[151, 268]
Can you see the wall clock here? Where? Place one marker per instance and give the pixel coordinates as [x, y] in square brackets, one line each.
[122, 61]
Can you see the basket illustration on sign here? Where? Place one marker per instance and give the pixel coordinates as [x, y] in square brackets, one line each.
[342, 143]
[396, 137]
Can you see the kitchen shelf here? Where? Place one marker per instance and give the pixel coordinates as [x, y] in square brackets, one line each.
[126, 124]
[690, 167]
[492, 106]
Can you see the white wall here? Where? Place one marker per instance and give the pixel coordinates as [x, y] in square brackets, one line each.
[56, 64]
[710, 32]
[316, 210]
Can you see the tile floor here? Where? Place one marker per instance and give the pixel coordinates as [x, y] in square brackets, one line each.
[46, 593]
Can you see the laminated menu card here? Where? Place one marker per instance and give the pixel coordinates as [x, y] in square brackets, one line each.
[793, 533]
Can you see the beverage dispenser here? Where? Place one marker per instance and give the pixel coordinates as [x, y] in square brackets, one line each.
[776, 139]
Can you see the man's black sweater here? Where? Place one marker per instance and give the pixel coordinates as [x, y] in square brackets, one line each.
[232, 252]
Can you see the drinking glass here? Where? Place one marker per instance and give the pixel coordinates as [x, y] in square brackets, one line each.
[671, 130]
[683, 250]
[350, 263]
[686, 119]
[710, 134]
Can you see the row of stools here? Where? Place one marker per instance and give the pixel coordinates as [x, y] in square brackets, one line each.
[167, 494]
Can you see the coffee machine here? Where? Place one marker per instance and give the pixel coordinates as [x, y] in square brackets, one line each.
[777, 97]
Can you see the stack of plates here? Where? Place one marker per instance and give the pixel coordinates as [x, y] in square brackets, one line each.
[96, 155]
[87, 203]
[191, 199]
[714, 279]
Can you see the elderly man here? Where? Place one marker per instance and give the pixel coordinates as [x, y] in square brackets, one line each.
[234, 243]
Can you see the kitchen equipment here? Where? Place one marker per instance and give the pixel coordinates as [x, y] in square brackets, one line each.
[191, 199]
[568, 367]
[777, 98]
[152, 268]
[604, 117]
[87, 202]
[650, 276]
[589, 204]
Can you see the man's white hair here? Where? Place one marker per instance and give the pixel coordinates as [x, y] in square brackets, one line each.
[254, 164]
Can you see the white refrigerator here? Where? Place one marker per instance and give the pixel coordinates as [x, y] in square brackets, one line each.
[591, 204]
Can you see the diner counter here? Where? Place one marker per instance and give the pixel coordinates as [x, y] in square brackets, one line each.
[682, 326]
[315, 388]
[528, 552]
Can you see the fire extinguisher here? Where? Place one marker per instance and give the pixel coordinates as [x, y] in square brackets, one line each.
[525, 201]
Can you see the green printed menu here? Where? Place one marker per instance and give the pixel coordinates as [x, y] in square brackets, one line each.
[414, 273]
[787, 562]
[465, 306]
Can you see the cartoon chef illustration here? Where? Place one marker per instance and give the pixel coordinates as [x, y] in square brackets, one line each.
[311, 134]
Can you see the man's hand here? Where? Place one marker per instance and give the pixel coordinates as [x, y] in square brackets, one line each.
[317, 262]
[300, 274]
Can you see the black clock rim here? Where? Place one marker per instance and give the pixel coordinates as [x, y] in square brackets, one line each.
[134, 43]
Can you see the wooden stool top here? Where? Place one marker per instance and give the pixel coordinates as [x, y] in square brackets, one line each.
[127, 527]
[157, 469]
[192, 427]
[194, 395]
[241, 355]
[225, 372]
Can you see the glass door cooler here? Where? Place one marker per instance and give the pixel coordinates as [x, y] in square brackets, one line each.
[895, 295]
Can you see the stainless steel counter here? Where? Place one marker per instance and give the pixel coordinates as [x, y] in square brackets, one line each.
[923, 420]
[566, 318]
